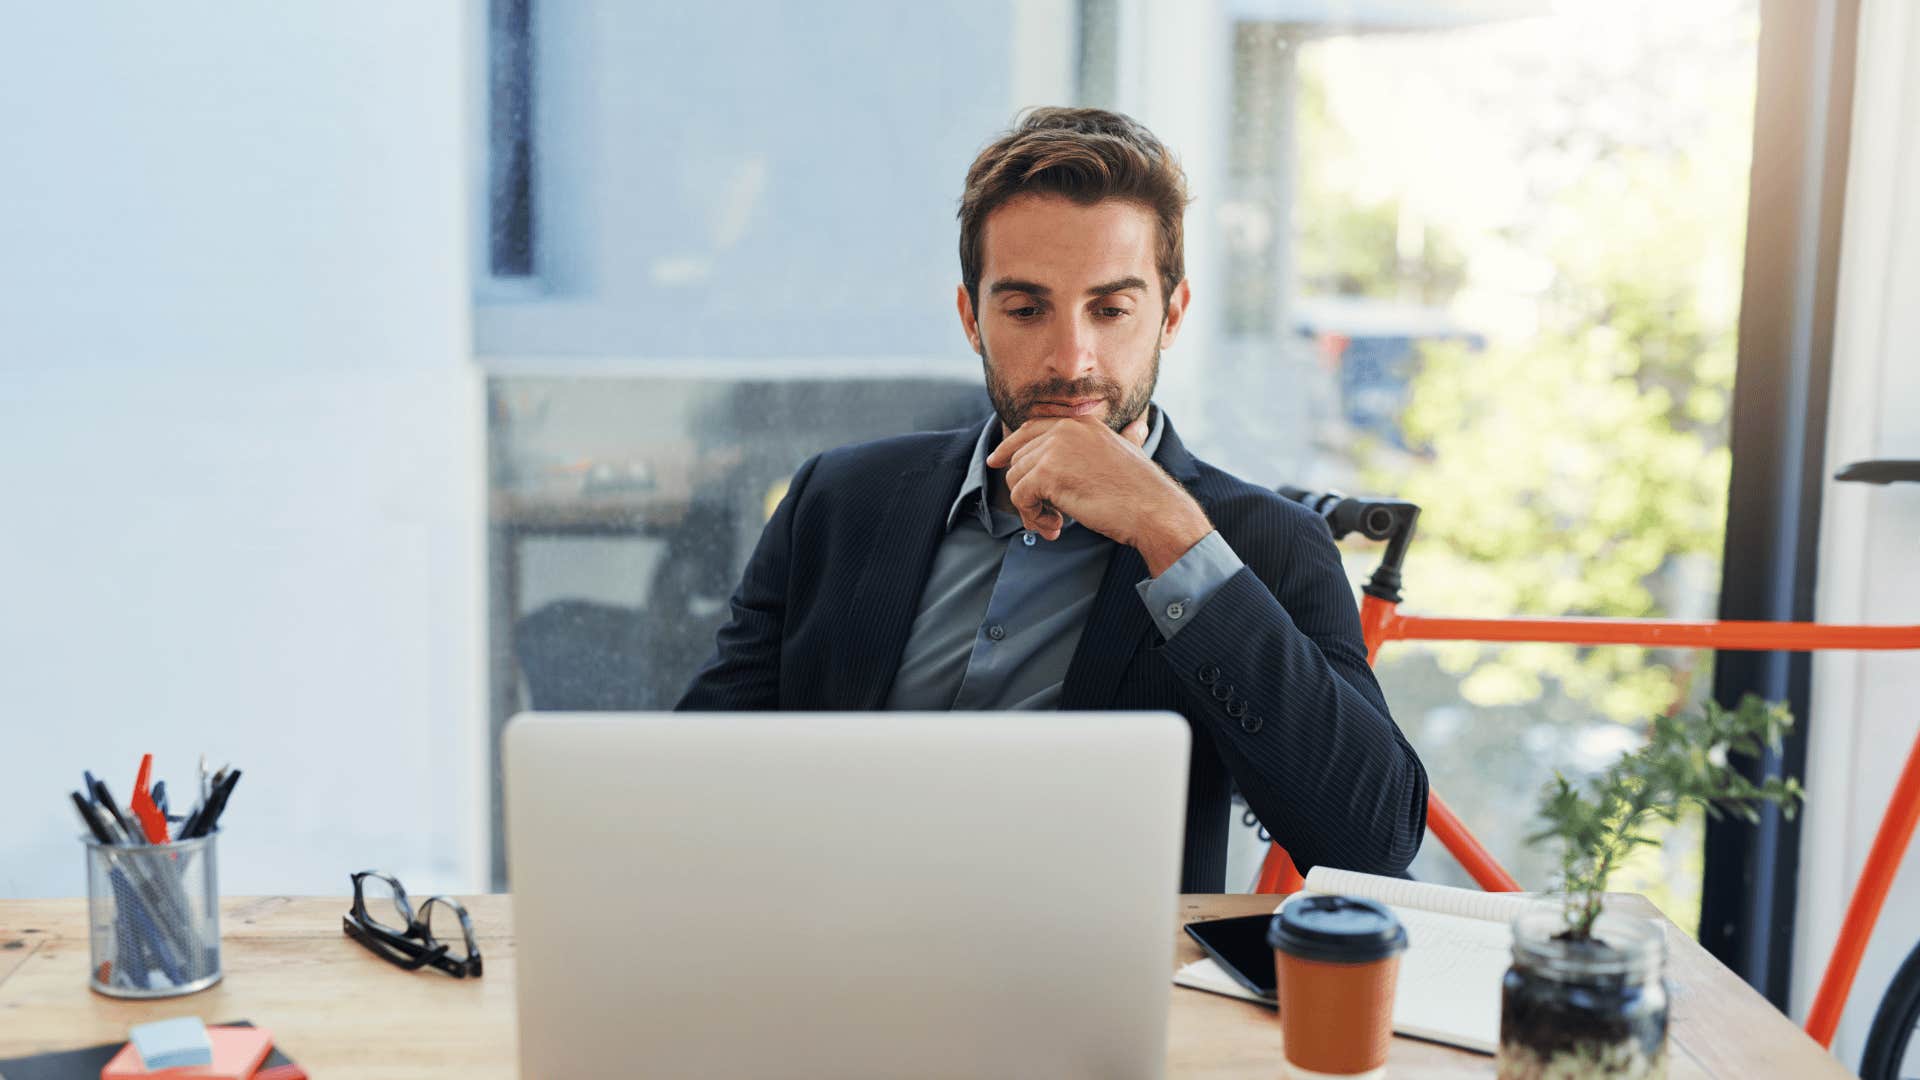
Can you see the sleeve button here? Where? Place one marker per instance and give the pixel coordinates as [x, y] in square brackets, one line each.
[1236, 708]
[1222, 691]
[1250, 724]
[1208, 674]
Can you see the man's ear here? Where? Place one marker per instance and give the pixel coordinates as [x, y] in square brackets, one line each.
[1176, 314]
[964, 304]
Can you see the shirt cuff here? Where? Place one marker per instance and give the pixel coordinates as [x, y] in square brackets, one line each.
[1174, 598]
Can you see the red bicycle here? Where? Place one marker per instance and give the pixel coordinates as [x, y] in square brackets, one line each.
[1392, 521]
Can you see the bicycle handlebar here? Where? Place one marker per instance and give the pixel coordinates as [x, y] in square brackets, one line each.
[1375, 519]
[1391, 520]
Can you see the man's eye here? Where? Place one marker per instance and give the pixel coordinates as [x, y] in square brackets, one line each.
[1023, 312]
[1114, 313]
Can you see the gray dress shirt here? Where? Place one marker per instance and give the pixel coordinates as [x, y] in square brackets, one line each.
[1003, 607]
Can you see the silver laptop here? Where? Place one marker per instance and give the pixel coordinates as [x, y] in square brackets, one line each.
[845, 894]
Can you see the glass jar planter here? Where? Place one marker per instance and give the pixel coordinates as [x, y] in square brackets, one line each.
[1584, 1008]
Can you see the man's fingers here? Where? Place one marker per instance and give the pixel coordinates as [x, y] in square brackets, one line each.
[1036, 513]
[1027, 476]
[1051, 521]
[1011, 445]
[1136, 432]
[1023, 465]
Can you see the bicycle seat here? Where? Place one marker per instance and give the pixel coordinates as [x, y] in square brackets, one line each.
[1881, 472]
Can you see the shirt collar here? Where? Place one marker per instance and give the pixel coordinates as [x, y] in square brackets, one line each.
[975, 485]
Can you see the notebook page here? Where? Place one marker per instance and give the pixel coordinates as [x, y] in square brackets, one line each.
[1449, 984]
[1400, 893]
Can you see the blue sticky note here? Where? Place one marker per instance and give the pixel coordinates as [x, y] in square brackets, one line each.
[168, 1044]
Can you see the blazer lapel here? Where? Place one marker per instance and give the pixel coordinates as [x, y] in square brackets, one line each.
[898, 563]
[1115, 628]
[1119, 623]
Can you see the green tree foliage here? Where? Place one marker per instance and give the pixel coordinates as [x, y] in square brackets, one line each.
[1583, 470]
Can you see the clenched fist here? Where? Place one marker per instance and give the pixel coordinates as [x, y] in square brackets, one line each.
[1078, 466]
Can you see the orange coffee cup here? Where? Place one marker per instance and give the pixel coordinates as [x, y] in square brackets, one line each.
[1336, 959]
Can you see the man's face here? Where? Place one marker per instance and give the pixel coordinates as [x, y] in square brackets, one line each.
[1071, 319]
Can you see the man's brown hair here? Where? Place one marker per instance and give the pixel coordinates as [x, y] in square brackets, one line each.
[1085, 155]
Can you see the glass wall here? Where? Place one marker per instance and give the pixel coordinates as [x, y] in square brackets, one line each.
[1501, 253]
[1483, 256]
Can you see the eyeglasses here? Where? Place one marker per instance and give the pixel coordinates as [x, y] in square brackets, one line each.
[439, 934]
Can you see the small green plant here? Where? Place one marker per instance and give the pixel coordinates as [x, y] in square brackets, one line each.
[1684, 760]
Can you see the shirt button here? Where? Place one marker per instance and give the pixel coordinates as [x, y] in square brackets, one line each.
[996, 631]
[1028, 538]
[1176, 609]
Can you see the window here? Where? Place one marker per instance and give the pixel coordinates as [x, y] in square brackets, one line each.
[1485, 256]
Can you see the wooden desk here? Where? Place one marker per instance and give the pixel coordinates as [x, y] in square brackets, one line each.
[340, 1011]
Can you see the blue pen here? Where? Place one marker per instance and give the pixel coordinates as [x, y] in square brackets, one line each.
[146, 928]
[129, 959]
[159, 795]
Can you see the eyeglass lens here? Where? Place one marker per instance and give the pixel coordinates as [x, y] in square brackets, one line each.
[443, 923]
[381, 898]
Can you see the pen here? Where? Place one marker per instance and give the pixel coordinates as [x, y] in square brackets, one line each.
[190, 827]
[149, 931]
[215, 807]
[94, 825]
[153, 823]
[105, 798]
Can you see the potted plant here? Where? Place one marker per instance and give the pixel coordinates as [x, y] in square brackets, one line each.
[1587, 996]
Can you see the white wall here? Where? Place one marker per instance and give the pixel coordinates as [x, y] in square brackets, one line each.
[1864, 705]
[240, 433]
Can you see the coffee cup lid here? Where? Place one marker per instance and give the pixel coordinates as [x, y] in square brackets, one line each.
[1336, 930]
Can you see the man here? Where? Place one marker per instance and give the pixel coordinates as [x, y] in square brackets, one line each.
[1070, 553]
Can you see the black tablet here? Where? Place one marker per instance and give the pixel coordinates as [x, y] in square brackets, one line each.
[1240, 946]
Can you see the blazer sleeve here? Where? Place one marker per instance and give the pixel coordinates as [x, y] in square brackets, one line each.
[744, 672]
[1280, 678]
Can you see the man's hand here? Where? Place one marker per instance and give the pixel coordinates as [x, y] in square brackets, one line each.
[1080, 467]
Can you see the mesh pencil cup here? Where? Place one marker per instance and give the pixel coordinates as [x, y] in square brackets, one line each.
[154, 917]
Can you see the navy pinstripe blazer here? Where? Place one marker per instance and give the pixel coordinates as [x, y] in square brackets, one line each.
[1271, 673]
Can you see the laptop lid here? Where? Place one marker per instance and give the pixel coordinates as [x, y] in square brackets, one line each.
[845, 895]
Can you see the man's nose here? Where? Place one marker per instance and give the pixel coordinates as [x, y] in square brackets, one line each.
[1071, 353]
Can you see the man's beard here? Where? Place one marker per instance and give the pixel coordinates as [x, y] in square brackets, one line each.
[1015, 406]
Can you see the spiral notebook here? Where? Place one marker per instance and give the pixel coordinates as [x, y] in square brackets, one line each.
[1459, 946]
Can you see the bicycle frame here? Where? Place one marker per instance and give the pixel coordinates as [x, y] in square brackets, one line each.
[1381, 622]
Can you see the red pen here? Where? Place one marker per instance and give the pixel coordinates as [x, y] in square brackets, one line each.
[152, 821]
